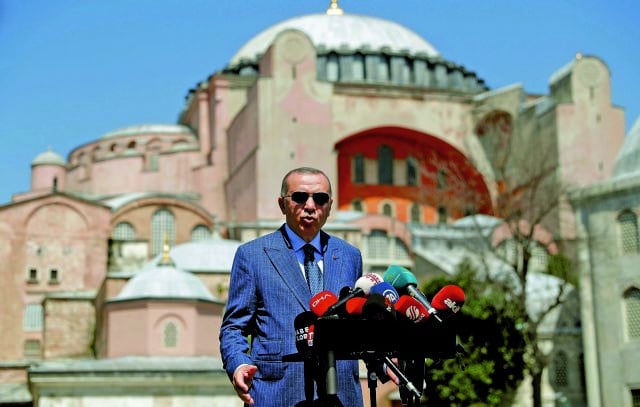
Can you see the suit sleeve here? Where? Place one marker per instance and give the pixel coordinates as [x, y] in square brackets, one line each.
[239, 314]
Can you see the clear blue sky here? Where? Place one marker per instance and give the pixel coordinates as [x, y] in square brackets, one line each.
[73, 70]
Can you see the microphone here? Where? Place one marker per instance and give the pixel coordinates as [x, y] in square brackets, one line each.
[304, 326]
[376, 308]
[412, 309]
[321, 302]
[354, 306]
[404, 280]
[387, 291]
[361, 288]
[448, 300]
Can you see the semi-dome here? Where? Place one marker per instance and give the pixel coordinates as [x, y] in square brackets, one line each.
[628, 162]
[342, 32]
[48, 158]
[164, 282]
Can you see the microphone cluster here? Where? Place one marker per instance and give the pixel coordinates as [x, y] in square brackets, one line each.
[394, 296]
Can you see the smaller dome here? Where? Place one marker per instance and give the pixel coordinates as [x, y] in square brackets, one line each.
[148, 128]
[164, 281]
[49, 158]
[628, 161]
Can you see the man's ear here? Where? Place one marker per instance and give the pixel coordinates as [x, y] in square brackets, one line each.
[281, 204]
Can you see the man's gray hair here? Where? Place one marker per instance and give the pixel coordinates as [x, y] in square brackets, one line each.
[302, 170]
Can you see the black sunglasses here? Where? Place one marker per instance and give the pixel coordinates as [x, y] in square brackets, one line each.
[320, 198]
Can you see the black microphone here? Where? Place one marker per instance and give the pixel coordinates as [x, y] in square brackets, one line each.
[404, 280]
[377, 308]
[362, 287]
[304, 324]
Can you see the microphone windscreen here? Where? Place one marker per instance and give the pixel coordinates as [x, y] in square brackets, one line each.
[321, 302]
[344, 291]
[354, 306]
[304, 326]
[411, 309]
[375, 308]
[448, 300]
[387, 291]
[399, 277]
[367, 281]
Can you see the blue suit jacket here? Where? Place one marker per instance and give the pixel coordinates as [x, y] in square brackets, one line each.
[267, 291]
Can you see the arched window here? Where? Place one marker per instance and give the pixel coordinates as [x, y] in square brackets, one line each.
[333, 70]
[162, 222]
[170, 335]
[443, 214]
[560, 369]
[628, 224]
[358, 169]
[632, 313]
[357, 68]
[400, 251]
[387, 209]
[200, 232]
[412, 171]
[378, 244]
[415, 213]
[33, 318]
[385, 165]
[124, 231]
[357, 205]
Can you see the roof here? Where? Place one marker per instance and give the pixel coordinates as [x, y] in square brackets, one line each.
[49, 158]
[341, 32]
[148, 128]
[628, 161]
[164, 282]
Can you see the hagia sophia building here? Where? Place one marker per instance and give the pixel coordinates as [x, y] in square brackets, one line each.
[94, 312]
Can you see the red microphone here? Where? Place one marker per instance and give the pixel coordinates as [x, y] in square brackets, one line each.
[411, 308]
[321, 302]
[448, 300]
[354, 306]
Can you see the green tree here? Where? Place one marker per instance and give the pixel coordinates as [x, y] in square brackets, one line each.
[493, 366]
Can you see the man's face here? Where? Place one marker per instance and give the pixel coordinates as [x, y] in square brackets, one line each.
[308, 217]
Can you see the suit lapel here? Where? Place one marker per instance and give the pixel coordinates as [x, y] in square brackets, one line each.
[286, 265]
[332, 262]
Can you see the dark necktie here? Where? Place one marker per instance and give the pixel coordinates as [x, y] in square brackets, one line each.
[311, 269]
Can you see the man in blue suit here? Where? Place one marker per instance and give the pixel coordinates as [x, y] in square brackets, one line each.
[269, 288]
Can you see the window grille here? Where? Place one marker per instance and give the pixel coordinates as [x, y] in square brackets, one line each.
[162, 222]
[200, 232]
[357, 205]
[635, 397]
[628, 222]
[358, 169]
[378, 245]
[33, 318]
[385, 165]
[632, 313]
[170, 335]
[124, 231]
[412, 171]
[560, 370]
[387, 209]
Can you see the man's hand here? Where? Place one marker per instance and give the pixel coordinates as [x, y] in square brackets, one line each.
[391, 374]
[242, 378]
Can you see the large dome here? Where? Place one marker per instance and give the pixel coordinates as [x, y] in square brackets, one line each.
[344, 32]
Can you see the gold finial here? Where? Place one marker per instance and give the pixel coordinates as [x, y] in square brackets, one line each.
[166, 259]
[334, 9]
